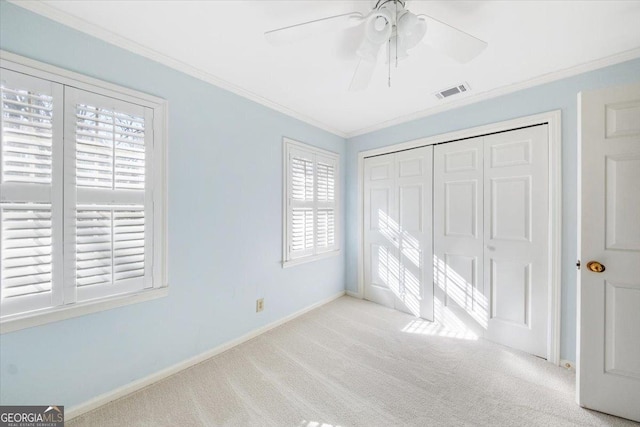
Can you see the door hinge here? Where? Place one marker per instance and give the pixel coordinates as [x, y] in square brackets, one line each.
[578, 265]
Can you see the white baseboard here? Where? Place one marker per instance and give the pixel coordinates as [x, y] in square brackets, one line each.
[141, 383]
[354, 294]
[567, 364]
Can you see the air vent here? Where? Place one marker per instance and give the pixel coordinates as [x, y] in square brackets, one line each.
[464, 87]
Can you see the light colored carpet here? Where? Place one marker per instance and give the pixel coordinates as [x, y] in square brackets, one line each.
[355, 363]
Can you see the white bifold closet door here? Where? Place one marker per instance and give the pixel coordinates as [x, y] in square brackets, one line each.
[458, 234]
[491, 234]
[397, 231]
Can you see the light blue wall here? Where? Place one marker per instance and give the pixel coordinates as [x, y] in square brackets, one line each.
[225, 216]
[561, 95]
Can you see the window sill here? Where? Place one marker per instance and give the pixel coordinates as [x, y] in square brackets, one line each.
[310, 258]
[41, 317]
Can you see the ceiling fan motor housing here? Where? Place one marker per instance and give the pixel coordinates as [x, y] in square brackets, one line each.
[377, 4]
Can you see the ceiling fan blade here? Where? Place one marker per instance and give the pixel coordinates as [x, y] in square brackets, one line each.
[306, 29]
[457, 44]
[362, 75]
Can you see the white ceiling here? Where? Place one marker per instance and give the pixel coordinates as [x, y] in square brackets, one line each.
[222, 41]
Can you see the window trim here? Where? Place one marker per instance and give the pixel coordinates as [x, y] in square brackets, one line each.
[20, 64]
[289, 144]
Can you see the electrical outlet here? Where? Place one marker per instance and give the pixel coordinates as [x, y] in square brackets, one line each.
[259, 305]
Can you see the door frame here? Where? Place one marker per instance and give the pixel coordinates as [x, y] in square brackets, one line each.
[554, 120]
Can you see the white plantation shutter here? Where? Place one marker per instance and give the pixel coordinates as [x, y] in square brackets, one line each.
[326, 180]
[93, 246]
[301, 202]
[110, 249]
[82, 194]
[110, 149]
[326, 203]
[326, 230]
[31, 264]
[27, 249]
[311, 202]
[129, 243]
[108, 213]
[301, 177]
[27, 130]
[27, 257]
[301, 231]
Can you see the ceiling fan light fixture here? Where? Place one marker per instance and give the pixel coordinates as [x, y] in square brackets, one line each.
[378, 26]
[379, 23]
[377, 30]
[418, 31]
[407, 23]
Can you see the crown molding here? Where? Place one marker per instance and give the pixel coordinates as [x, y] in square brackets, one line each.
[110, 37]
[504, 90]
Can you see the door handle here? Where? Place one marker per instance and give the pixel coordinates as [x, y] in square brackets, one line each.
[595, 266]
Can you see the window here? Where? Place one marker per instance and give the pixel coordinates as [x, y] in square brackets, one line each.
[81, 194]
[311, 203]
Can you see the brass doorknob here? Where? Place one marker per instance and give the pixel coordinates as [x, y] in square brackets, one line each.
[595, 266]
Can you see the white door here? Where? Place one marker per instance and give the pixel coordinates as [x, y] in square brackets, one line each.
[516, 237]
[458, 218]
[491, 234]
[414, 186]
[609, 292]
[381, 247]
[397, 231]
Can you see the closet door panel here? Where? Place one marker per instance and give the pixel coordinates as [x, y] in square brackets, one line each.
[397, 231]
[516, 237]
[381, 245]
[414, 186]
[458, 218]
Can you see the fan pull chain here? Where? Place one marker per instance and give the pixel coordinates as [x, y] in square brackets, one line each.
[389, 63]
[396, 26]
[396, 47]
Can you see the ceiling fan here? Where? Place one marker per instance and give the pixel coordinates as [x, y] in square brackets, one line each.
[390, 23]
